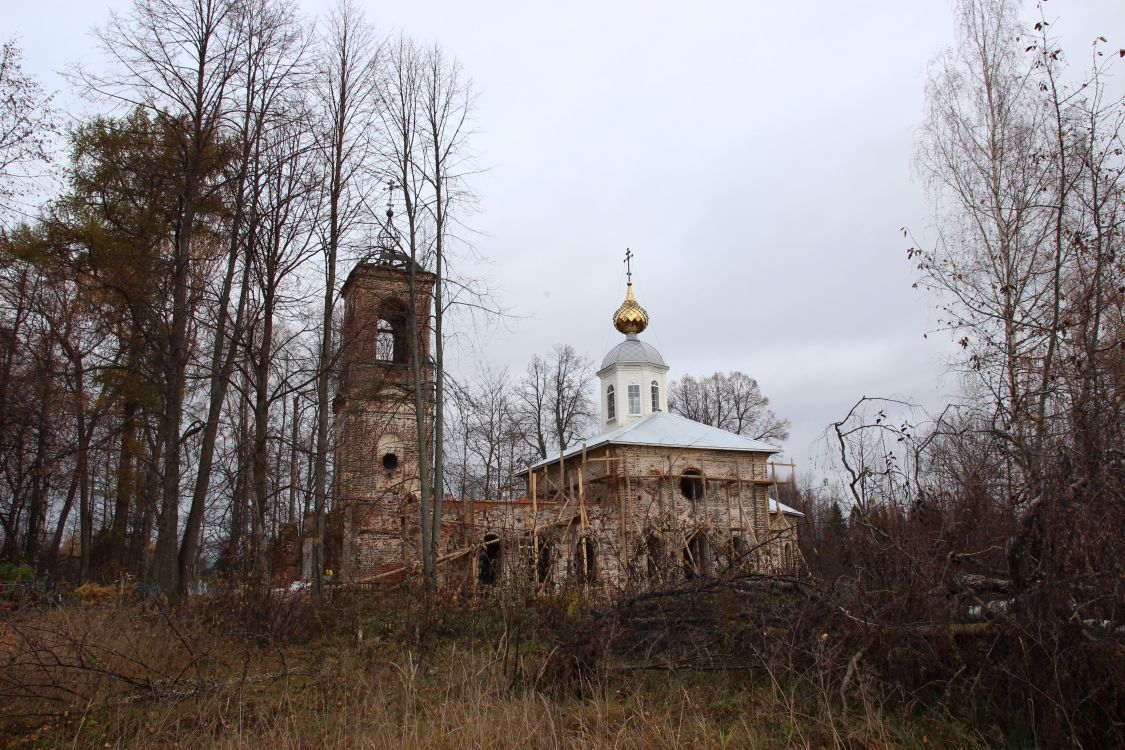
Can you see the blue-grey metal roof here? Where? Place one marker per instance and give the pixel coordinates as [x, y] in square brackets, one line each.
[663, 429]
[633, 351]
[776, 507]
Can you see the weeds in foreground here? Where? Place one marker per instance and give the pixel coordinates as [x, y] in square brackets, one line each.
[354, 673]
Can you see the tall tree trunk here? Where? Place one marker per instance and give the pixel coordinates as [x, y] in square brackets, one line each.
[60, 523]
[320, 467]
[223, 356]
[85, 512]
[439, 355]
[335, 193]
[419, 318]
[40, 482]
[296, 421]
[125, 484]
[165, 564]
[147, 504]
[242, 481]
[261, 440]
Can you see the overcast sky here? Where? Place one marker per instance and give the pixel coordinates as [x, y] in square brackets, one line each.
[757, 158]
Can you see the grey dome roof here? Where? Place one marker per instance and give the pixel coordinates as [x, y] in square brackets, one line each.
[633, 351]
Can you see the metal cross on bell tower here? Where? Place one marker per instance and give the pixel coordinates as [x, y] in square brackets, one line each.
[629, 264]
[390, 253]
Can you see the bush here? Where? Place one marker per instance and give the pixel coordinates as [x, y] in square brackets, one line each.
[95, 593]
[12, 573]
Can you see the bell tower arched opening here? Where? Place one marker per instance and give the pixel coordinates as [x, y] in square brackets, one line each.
[391, 331]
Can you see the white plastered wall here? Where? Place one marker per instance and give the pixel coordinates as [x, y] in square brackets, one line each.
[621, 377]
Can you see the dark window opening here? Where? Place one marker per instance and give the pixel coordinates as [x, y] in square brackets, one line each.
[544, 563]
[390, 461]
[697, 557]
[488, 560]
[610, 405]
[655, 396]
[739, 544]
[655, 548]
[391, 344]
[691, 484]
[634, 399]
[585, 559]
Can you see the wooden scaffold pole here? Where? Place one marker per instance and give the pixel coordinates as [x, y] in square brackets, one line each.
[624, 504]
[583, 537]
[534, 526]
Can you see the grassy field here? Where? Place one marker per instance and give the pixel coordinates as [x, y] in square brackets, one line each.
[125, 675]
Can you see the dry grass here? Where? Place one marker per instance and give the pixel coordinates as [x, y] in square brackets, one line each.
[127, 676]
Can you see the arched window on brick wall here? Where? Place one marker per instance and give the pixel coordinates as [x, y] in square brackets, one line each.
[391, 330]
[691, 484]
[697, 557]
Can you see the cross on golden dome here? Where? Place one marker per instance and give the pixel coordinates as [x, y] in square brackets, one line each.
[630, 318]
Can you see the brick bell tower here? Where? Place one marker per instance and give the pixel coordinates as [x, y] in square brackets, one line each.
[375, 523]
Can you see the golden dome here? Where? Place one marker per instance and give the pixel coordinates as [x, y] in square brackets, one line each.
[630, 317]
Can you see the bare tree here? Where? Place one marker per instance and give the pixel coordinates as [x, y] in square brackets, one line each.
[485, 408]
[730, 401]
[555, 401]
[446, 103]
[79, 339]
[347, 98]
[987, 153]
[1028, 169]
[27, 124]
[271, 68]
[424, 106]
[288, 179]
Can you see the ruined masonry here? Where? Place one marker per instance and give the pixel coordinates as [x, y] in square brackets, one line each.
[653, 495]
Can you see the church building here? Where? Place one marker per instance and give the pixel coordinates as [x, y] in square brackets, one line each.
[651, 495]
